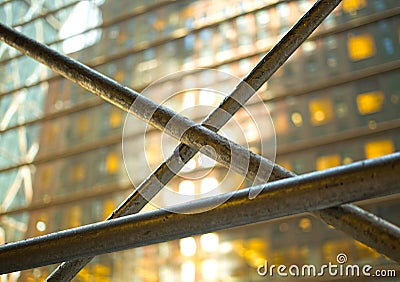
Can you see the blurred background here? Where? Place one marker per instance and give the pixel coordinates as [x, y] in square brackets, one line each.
[335, 101]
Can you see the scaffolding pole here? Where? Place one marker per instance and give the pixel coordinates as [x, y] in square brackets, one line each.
[317, 190]
[122, 97]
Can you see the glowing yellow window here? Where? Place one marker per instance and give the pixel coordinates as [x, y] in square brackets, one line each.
[112, 163]
[101, 273]
[350, 6]
[325, 162]
[78, 173]
[361, 47]
[321, 111]
[115, 118]
[370, 102]
[379, 148]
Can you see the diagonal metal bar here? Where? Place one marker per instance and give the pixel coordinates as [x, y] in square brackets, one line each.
[215, 120]
[318, 190]
[179, 127]
[382, 236]
[120, 96]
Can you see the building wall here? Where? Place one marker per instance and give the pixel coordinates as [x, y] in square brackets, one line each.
[335, 101]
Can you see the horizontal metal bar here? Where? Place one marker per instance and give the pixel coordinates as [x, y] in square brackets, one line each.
[215, 120]
[317, 190]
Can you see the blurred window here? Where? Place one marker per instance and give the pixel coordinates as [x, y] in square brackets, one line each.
[328, 161]
[361, 47]
[78, 172]
[115, 118]
[321, 111]
[379, 148]
[351, 6]
[371, 102]
[113, 162]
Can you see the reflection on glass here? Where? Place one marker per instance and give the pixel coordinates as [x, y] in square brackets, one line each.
[84, 16]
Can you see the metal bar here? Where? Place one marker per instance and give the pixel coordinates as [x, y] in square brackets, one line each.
[214, 121]
[179, 127]
[121, 96]
[102, 86]
[372, 230]
[318, 190]
[232, 103]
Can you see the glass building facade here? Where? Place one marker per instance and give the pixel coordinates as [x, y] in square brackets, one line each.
[335, 101]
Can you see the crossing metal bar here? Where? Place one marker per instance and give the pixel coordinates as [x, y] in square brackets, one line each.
[384, 235]
[121, 96]
[231, 104]
[317, 190]
[179, 127]
[214, 121]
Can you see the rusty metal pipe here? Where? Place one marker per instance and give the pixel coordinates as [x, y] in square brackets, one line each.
[371, 230]
[317, 190]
